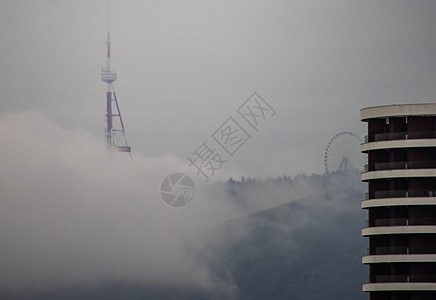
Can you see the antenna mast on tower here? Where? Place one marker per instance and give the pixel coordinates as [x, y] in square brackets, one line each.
[114, 131]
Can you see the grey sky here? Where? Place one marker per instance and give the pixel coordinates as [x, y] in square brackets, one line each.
[184, 67]
[69, 207]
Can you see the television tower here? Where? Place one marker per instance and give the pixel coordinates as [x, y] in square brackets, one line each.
[114, 131]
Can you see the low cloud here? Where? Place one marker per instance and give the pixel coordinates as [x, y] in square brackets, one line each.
[74, 214]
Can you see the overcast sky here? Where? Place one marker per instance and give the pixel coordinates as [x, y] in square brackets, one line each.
[70, 209]
[184, 67]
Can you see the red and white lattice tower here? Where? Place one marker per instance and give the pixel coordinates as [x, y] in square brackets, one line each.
[114, 131]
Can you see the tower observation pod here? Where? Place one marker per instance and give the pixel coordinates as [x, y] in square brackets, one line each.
[114, 131]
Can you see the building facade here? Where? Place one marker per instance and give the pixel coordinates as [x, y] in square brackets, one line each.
[401, 201]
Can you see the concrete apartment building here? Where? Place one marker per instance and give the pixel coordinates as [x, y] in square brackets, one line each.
[401, 201]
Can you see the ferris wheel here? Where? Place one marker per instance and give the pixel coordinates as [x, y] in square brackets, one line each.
[343, 153]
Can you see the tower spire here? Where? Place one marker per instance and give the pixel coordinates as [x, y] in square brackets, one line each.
[114, 131]
[108, 57]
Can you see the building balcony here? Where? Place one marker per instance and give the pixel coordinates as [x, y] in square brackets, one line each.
[400, 226]
[402, 165]
[389, 136]
[404, 221]
[399, 286]
[404, 135]
[398, 173]
[397, 110]
[400, 282]
[400, 201]
[405, 278]
[401, 229]
[412, 193]
[396, 144]
[399, 258]
[431, 249]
